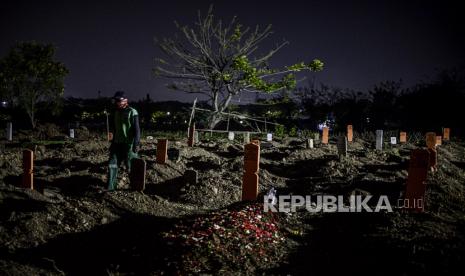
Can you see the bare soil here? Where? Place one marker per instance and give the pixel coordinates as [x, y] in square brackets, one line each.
[69, 224]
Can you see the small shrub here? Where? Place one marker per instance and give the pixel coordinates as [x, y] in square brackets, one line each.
[293, 132]
[279, 131]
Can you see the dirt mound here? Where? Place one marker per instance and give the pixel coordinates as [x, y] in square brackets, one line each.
[47, 131]
[196, 193]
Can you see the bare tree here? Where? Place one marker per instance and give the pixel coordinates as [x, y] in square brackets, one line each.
[221, 60]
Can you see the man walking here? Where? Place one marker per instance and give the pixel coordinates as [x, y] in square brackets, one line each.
[124, 125]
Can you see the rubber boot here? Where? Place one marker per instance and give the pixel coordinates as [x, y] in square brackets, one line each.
[112, 176]
[131, 155]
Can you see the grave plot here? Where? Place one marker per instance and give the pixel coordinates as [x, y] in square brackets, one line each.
[191, 208]
[249, 138]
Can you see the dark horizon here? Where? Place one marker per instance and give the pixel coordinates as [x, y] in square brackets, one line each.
[108, 46]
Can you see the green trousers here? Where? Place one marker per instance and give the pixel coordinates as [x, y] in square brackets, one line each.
[118, 154]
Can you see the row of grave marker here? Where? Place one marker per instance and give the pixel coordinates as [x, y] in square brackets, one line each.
[414, 191]
[250, 176]
[421, 161]
[9, 132]
[138, 169]
[193, 136]
[379, 136]
[137, 175]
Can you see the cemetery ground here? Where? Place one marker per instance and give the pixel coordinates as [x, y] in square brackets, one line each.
[69, 223]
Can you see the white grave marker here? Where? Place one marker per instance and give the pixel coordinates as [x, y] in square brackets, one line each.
[379, 139]
[393, 140]
[231, 136]
[310, 143]
[269, 137]
[71, 133]
[246, 137]
[9, 131]
[196, 137]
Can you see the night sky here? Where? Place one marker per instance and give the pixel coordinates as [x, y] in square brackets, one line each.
[109, 46]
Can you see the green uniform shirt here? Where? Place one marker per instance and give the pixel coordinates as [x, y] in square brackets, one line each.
[124, 129]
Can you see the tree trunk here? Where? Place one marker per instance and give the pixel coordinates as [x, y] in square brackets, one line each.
[216, 115]
[214, 119]
[33, 121]
[31, 115]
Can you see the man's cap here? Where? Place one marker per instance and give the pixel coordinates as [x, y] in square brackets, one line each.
[119, 95]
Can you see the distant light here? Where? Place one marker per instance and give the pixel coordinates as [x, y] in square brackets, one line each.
[185, 121]
[322, 125]
[168, 113]
[241, 121]
[4, 103]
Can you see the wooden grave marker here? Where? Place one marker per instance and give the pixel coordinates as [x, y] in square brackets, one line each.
[342, 146]
[251, 167]
[403, 137]
[446, 134]
[431, 140]
[191, 177]
[350, 133]
[162, 151]
[173, 154]
[325, 138]
[438, 140]
[417, 173]
[137, 174]
[28, 169]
